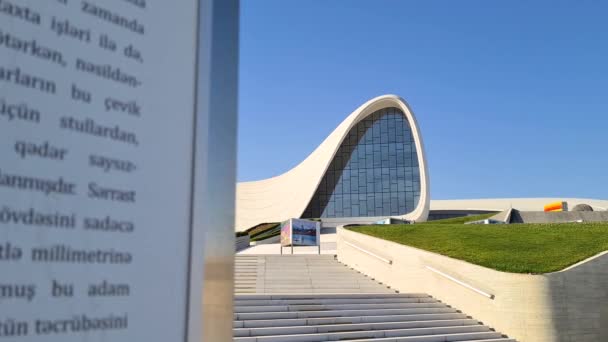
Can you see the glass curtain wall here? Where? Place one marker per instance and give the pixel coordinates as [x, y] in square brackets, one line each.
[374, 173]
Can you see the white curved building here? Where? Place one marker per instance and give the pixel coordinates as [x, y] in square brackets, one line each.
[372, 165]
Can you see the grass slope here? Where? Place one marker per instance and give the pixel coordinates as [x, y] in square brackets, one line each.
[261, 228]
[518, 248]
[264, 231]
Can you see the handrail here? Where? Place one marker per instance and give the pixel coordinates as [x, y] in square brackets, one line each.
[390, 262]
[470, 287]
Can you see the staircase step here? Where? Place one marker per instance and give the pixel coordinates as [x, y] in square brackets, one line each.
[345, 286]
[333, 296]
[263, 302]
[464, 331]
[504, 339]
[477, 337]
[346, 320]
[336, 307]
[324, 291]
[312, 329]
[341, 313]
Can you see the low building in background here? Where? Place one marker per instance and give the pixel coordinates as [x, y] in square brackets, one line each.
[523, 210]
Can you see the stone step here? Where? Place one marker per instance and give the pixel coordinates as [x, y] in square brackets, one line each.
[304, 269]
[314, 281]
[278, 274]
[318, 291]
[319, 279]
[333, 296]
[354, 284]
[325, 307]
[299, 258]
[353, 288]
[458, 334]
[311, 329]
[261, 302]
[346, 320]
[323, 264]
[299, 275]
[286, 256]
[504, 339]
[321, 289]
[307, 276]
[253, 262]
[340, 313]
[308, 270]
[470, 337]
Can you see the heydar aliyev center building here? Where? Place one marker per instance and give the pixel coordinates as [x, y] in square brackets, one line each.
[371, 167]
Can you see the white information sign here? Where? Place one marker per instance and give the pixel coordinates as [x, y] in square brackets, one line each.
[97, 117]
[305, 232]
[300, 232]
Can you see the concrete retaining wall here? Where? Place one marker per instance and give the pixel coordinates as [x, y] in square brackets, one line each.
[566, 306]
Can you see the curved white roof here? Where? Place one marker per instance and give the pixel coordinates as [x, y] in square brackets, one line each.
[287, 195]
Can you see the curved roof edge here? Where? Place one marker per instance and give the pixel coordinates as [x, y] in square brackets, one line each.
[287, 195]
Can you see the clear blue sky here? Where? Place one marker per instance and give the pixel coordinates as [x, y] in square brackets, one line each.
[511, 96]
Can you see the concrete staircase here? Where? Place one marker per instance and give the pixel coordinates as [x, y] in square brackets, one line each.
[316, 298]
[300, 274]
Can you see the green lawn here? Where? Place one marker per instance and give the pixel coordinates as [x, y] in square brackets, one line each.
[518, 248]
[262, 231]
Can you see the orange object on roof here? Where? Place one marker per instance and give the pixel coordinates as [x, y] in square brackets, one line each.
[556, 206]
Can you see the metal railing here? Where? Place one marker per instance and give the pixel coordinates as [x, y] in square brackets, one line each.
[390, 262]
[461, 283]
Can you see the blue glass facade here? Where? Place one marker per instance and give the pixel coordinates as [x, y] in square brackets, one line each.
[374, 173]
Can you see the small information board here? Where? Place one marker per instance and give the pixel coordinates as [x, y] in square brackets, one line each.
[299, 232]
